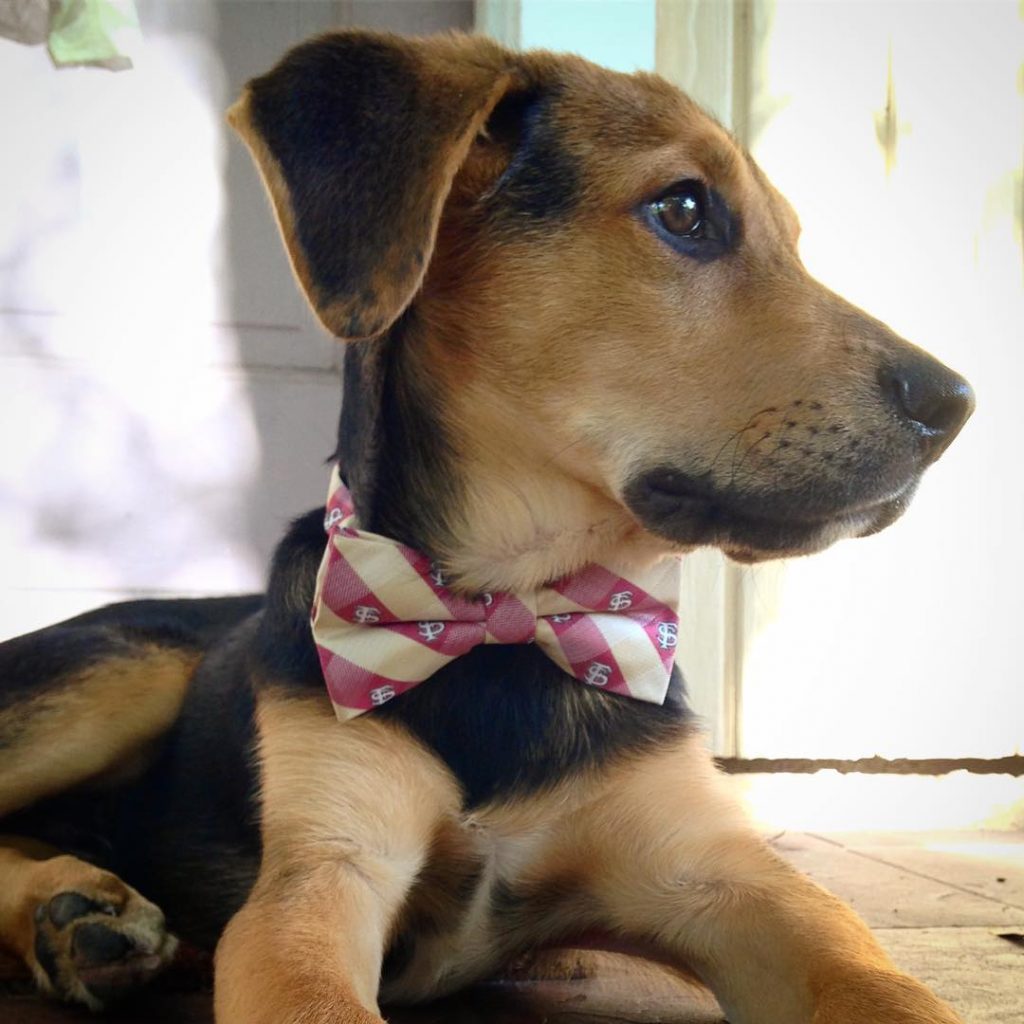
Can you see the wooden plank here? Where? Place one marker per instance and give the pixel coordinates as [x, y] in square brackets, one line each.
[974, 969]
[989, 864]
[890, 895]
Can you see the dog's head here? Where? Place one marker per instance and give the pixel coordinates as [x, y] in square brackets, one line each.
[580, 319]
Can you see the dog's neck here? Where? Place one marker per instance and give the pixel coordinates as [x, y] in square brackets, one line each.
[472, 497]
[523, 532]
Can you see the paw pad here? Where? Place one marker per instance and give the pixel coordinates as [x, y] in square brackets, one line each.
[65, 907]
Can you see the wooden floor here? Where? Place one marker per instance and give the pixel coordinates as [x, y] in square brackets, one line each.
[571, 986]
[949, 907]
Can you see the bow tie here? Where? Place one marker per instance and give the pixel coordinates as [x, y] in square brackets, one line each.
[384, 620]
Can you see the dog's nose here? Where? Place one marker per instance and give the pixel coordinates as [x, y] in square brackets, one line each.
[934, 399]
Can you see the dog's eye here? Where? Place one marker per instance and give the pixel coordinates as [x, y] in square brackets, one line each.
[693, 219]
[682, 213]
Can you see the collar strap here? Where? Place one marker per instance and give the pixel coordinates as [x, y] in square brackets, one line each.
[384, 621]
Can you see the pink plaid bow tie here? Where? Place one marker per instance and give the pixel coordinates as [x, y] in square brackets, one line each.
[604, 630]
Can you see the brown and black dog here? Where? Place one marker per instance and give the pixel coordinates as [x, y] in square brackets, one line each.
[577, 323]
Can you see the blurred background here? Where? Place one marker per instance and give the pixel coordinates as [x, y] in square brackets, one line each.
[167, 403]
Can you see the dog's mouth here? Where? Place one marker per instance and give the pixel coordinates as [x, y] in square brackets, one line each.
[748, 527]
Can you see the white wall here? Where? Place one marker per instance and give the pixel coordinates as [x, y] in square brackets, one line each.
[907, 643]
[166, 401]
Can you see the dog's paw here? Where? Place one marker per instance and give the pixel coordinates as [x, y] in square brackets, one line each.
[97, 941]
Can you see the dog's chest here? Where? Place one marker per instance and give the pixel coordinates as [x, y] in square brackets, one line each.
[474, 907]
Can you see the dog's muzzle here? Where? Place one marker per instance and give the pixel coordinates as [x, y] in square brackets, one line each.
[813, 501]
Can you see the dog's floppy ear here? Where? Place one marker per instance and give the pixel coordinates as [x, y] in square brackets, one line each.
[358, 137]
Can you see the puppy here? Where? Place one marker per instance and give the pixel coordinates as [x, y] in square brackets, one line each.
[580, 343]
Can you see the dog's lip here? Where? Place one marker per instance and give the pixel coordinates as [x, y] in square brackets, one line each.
[749, 539]
[692, 512]
[672, 492]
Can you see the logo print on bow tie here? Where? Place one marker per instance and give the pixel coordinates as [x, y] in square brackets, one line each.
[668, 635]
[430, 631]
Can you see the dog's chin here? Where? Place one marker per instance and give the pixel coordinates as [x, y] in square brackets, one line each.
[751, 529]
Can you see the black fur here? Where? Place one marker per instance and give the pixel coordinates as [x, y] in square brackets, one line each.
[188, 622]
[542, 180]
[38, 662]
[406, 484]
[399, 956]
[193, 842]
[42, 661]
[336, 113]
[508, 722]
[283, 650]
[358, 451]
[363, 130]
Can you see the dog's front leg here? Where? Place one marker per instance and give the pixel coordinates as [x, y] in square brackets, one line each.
[673, 863]
[304, 949]
[348, 815]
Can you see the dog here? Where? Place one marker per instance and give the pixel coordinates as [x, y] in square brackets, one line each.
[578, 332]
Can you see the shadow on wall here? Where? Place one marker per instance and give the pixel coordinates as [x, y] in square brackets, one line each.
[118, 404]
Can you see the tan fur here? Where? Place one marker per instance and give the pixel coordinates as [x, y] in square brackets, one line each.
[69, 736]
[671, 859]
[659, 854]
[654, 851]
[19, 862]
[724, 360]
[349, 816]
